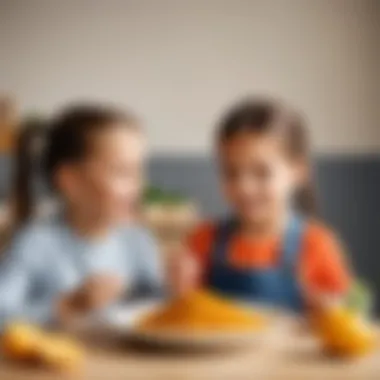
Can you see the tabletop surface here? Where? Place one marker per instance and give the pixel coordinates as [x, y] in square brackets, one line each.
[283, 355]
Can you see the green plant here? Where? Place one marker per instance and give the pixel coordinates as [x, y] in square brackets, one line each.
[360, 297]
[155, 195]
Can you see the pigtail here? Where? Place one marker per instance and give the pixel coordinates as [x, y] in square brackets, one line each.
[298, 141]
[306, 200]
[25, 159]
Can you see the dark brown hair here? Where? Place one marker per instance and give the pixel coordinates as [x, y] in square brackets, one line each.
[64, 140]
[267, 116]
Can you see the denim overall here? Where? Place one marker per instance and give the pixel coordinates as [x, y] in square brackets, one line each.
[277, 286]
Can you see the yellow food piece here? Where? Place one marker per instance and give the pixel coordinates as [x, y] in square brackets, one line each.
[28, 343]
[21, 341]
[204, 312]
[344, 333]
[61, 353]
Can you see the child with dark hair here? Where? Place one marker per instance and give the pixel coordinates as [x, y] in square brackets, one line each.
[271, 249]
[87, 258]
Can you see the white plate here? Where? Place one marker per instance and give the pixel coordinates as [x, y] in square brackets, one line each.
[123, 322]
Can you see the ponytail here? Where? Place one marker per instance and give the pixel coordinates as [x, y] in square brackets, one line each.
[25, 158]
[66, 141]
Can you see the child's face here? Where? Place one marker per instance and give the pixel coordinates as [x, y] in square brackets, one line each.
[108, 183]
[258, 178]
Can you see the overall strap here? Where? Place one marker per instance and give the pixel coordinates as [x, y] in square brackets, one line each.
[224, 232]
[292, 241]
[291, 244]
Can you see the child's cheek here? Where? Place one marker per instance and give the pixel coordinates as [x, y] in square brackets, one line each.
[282, 187]
[118, 198]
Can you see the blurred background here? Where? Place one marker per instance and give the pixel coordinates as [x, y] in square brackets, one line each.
[178, 63]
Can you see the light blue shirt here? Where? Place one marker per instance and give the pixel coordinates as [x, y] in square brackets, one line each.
[48, 259]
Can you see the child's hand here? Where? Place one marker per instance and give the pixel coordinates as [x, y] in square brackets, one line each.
[98, 291]
[183, 272]
[320, 301]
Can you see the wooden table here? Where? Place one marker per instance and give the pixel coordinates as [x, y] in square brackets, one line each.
[282, 356]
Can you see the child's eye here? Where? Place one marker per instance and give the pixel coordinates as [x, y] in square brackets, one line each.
[124, 172]
[257, 172]
[230, 173]
[262, 172]
[120, 171]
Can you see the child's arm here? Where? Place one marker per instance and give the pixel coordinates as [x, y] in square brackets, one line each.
[19, 270]
[148, 277]
[25, 264]
[324, 272]
[183, 272]
[188, 267]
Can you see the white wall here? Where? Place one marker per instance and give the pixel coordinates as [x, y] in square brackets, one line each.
[178, 63]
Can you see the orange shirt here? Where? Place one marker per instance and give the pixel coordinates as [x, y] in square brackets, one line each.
[321, 266]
